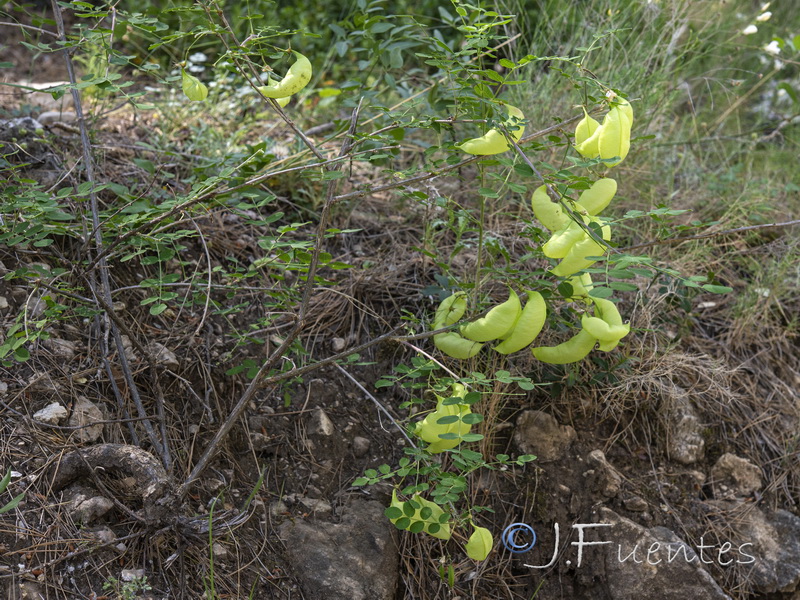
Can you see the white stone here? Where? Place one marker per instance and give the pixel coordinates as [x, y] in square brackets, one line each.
[52, 414]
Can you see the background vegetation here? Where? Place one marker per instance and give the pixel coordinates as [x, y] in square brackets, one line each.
[198, 269]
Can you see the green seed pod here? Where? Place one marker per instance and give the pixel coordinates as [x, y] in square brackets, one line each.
[597, 197]
[497, 322]
[607, 326]
[570, 351]
[450, 310]
[549, 213]
[527, 327]
[297, 77]
[195, 90]
[493, 141]
[456, 346]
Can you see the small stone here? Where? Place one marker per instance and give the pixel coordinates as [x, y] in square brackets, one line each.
[316, 506]
[92, 509]
[3, 302]
[162, 355]
[338, 344]
[56, 116]
[320, 423]
[360, 446]
[734, 477]
[635, 504]
[52, 414]
[63, 349]
[132, 574]
[539, 433]
[84, 413]
[355, 559]
[220, 551]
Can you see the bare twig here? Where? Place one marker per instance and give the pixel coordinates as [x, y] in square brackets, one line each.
[701, 236]
[104, 290]
[238, 410]
[377, 404]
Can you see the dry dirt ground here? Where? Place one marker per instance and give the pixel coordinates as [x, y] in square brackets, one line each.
[693, 439]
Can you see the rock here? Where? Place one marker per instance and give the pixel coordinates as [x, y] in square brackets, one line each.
[635, 504]
[539, 433]
[90, 509]
[605, 479]
[162, 355]
[52, 414]
[30, 590]
[360, 446]
[775, 543]
[63, 349]
[685, 443]
[104, 535]
[637, 565]
[84, 413]
[315, 506]
[3, 302]
[278, 508]
[49, 117]
[338, 344]
[132, 574]
[320, 424]
[734, 477]
[220, 551]
[355, 559]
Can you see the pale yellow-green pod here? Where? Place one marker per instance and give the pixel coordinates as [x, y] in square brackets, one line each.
[585, 129]
[296, 78]
[581, 286]
[576, 260]
[528, 325]
[282, 102]
[588, 148]
[450, 310]
[456, 346]
[573, 350]
[626, 108]
[436, 511]
[597, 197]
[607, 326]
[194, 89]
[493, 141]
[479, 544]
[549, 213]
[615, 136]
[561, 242]
[497, 322]
[430, 430]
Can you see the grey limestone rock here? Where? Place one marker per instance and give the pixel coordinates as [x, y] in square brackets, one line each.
[355, 559]
[539, 433]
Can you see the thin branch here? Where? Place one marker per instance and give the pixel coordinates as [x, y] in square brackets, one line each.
[432, 174]
[31, 27]
[701, 236]
[105, 286]
[210, 193]
[376, 403]
[257, 382]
